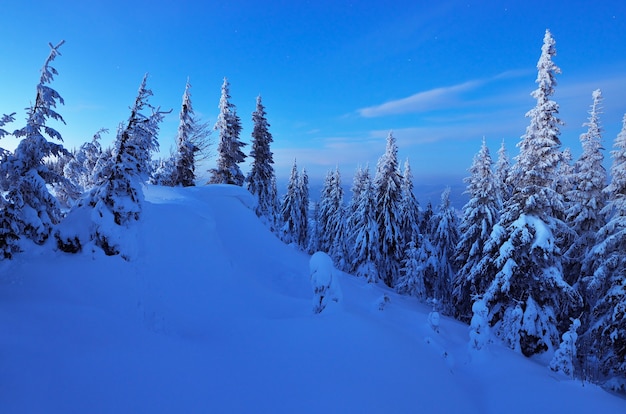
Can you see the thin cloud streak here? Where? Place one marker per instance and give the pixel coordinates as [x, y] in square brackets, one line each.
[421, 101]
[437, 98]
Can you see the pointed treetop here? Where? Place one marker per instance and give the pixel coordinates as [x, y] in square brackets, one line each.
[546, 68]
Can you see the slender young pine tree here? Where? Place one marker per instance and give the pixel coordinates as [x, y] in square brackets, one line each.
[25, 176]
[184, 158]
[261, 180]
[119, 198]
[500, 176]
[445, 239]
[229, 153]
[586, 214]
[603, 283]
[291, 209]
[480, 214]
[409, 208]
[388, 191]
[363, 228]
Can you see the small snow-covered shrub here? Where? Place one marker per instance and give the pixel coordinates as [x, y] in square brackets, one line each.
[323, 281]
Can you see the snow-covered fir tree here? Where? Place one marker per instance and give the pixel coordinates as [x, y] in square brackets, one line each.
[603, 283]
[330, 211]
[229, 153]
[362, 228]
[565, 357]
[9, 231]
[261, 180]
[81, 168]
[334, 230]
[412, 274]
[291, 210]
[564, 181]
[409, 207]
[388, 194]
[445, 239]
[65, 191]
[480, 214]
[585, 214]
[501, 175]
[184, 158]
[164, 171]
[426, 220]
[119, 198]
[303, 191]
[24, 175]
[528, 298]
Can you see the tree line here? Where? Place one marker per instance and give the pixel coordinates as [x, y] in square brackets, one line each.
[536, 255]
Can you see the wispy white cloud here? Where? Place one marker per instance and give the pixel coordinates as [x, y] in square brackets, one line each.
[421, 101]
[437, 98]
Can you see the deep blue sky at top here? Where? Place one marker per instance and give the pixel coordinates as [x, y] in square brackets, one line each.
[335, 76]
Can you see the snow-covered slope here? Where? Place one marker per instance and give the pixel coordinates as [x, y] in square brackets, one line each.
[213, 314]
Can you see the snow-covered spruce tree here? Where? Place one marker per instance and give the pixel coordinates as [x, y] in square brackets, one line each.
[603, 283]
[480, 214]
[585, 214]
[388, 195]
[291, 210]
[117, 200]
[332, 221]
[303, 191]
[528, 298]
[564, 185]
[261, 179]
[66, 191]
[164, 171]
[184, 157]
[329, 210]
[426, 220]
[9, 230]
[409, 207]
[229, 154]
[500, 176]
[24, 176]
[80, 169]
[445, 240]
[412, 274]
[565, 357]
[362, 228]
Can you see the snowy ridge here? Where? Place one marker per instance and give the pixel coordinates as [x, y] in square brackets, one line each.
[213, 314]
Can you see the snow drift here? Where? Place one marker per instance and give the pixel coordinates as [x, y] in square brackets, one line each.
[213, 314]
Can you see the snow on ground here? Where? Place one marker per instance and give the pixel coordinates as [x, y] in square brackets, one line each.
[213, 314]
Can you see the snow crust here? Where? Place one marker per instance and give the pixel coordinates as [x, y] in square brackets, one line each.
[213, 314]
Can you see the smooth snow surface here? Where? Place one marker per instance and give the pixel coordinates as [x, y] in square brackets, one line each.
[213, 315]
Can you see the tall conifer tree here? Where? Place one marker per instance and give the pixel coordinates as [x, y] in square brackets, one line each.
[528, 297]
[24, 174]
[229, 153]
[261, 180]
[587, 200]
[388, 191]
[603, 283]
[480, 214]
[184, 159]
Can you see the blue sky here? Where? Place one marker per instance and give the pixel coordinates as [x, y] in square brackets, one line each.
[335, 76]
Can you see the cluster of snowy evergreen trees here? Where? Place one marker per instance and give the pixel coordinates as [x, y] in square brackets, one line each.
[536, 255]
